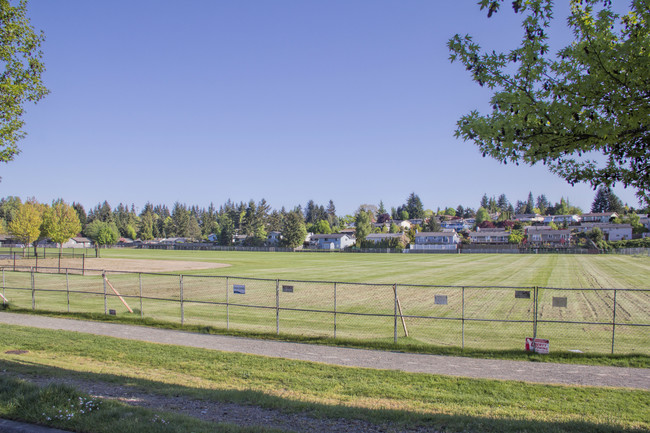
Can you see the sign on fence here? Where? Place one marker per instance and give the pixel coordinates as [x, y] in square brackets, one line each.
[538, 345]
[239, 289]
[440, 299]
[559, 301]
[287, 289]
[522, 294]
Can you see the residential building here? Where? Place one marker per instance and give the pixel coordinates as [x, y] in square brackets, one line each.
[611, 232]
[274, 238]
[380, 237]
[529, 218]
[334, 241]
[544, 236]
[562, 219]
[599, 217]
[457, 224]
[498, 236]
[436, 241]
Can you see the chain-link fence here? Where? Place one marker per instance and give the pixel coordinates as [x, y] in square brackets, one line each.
[486, 317]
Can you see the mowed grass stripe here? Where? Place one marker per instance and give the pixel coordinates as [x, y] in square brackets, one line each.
[441, 269]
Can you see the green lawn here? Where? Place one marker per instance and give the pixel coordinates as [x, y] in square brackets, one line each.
[434, 402]
[550, 270]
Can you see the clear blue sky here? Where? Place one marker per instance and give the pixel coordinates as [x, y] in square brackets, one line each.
[287, 100]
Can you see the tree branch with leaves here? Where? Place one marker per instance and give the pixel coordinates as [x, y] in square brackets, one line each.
[583, 111]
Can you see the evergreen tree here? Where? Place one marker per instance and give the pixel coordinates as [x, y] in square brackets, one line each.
[381, 209]
[543, 204]
[81, 213]
[309, 212]
[502, 203]
[530, 204]
[227, 230]
[432, 224]
[606, 201]
[331, 214]
[180, 221]
[414, 206]
[294, 231]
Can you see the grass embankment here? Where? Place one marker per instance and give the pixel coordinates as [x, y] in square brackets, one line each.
[378, 396]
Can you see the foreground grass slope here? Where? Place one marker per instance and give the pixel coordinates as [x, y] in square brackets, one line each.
[454, 404]
[551, 270]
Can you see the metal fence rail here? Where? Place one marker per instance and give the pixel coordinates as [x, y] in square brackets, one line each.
[489, 317]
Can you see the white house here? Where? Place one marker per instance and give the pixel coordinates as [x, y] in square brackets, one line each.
[611, 232]
[529, 218]
[562, 219]
[274, 238]
[598, 217]
[78, 242]
[334, 241]
[436, 241]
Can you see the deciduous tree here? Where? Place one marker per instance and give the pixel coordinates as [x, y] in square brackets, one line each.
[20, 81]
[26, 223]
[582, 111]
[61, 223]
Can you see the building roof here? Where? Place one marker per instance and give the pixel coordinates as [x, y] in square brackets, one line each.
[384, 235]
[446, 234]
[330, 236]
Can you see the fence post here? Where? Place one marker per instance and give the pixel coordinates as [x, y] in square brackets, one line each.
[227, 306]
[462, 319]
[182, 310]
[14, 261]
[277, 307]
[535, 312]
[105, 300]
[140, 285]
[395, 315]
[83, 264]
[67, 288]
[614, 321]
[33, 290]
[4, 299]
[335, 310]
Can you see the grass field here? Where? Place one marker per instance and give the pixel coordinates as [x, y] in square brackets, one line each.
[326, 392]
[367, 311]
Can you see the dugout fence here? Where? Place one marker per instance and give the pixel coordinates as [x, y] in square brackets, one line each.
[592, 320]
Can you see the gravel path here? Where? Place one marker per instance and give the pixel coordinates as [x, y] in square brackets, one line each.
[539, 372]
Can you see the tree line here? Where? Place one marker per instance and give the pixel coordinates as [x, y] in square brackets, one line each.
[31, 221]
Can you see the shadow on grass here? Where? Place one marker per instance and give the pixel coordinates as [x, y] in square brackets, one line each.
[398, 419]
[403, 344]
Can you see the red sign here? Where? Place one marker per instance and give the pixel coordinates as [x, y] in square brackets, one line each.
[537, 345]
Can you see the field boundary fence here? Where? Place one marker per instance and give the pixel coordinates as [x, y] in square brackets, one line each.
[593, 320]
